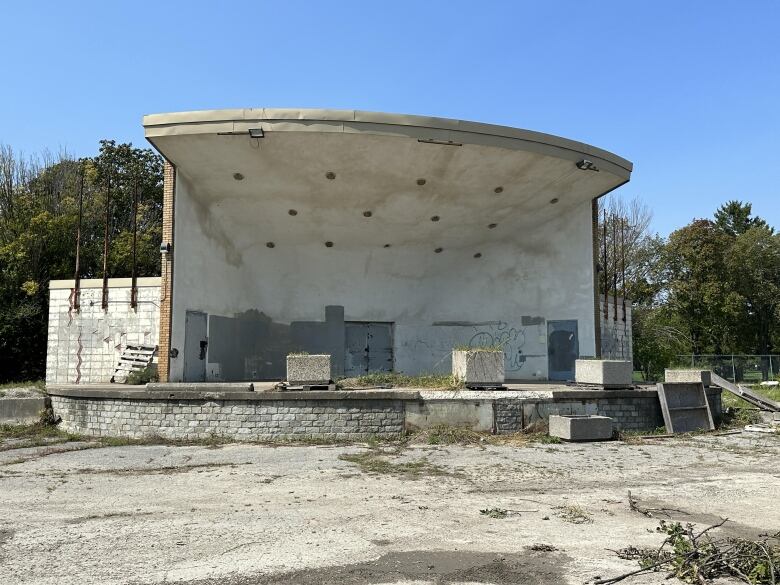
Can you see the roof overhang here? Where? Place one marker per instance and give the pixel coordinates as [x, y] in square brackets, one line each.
[471, 173]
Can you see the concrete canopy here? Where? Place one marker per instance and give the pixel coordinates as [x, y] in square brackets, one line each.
[447, 232]
[474, 174]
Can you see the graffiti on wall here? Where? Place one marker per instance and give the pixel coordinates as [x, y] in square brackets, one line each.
[512, 339]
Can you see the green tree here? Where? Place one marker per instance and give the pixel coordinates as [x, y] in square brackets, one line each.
[735, 218]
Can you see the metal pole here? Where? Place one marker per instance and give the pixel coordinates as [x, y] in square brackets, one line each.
[77, 275]
[104, 302]
[615, 260]
[133, 288]
[623, 262]
[606, 268]
[733, 369]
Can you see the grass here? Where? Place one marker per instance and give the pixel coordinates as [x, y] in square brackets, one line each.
[494, 513]
[729, 399]
[573, 514]
[489, 348]
[448, 435]
[38, 385]
[376, 462]
[397, 380]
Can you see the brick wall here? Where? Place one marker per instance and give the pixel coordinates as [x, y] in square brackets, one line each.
[166, 267]
[235, 419]
[83, 346]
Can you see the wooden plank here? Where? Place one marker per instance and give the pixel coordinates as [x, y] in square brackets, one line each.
[746, 394]
[685, 407]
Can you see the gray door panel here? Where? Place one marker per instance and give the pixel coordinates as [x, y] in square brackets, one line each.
[563, 349]
[380, 347]
[369, 348]
[356, 350]
[195, 346]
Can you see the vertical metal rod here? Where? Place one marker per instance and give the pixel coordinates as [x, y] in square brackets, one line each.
[623, 224]
[77, 274]
[606, 267]
[615, 260]
[733, 369]
[104, 303]
[133, 287]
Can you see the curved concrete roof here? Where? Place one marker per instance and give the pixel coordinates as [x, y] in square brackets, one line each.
[438, 130]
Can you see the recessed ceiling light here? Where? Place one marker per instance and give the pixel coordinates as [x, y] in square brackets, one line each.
[492, 225]
[554, 200]
[293, 212]
[478, 255]
[498, 190]
[270, 245]
[435, 218]
[238, 176]
[328, 244]
[367, 214]
[421, 182]
[386, 246]
[330, 175]
[438, 250]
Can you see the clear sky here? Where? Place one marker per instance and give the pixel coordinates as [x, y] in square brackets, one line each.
[687, 90]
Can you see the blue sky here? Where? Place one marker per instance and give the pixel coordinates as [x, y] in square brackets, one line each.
[688, 91]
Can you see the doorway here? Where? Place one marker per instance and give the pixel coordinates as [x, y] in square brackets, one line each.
[368, 348]
[195, 346]
[563, 348]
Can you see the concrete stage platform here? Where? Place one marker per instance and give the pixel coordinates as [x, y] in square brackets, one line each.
[257, 411]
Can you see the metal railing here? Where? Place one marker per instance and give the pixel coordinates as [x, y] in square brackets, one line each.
[747, 368]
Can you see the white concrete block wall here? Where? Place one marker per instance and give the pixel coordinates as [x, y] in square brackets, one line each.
[616, 340]
[84, 346]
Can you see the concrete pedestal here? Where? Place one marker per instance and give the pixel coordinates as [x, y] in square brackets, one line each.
[478, 367]
[581, 427]
[308, 370]
[607, 373]
[690, 375]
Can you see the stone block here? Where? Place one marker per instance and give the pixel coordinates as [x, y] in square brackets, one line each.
[607, 373]
[689, 375]
[304, 369]
[478, 367]
[21, 410]
[580, 427]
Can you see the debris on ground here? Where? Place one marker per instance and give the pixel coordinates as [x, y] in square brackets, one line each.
[699, 558]
[573, 514]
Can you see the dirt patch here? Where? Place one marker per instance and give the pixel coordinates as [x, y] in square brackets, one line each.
[440, 567]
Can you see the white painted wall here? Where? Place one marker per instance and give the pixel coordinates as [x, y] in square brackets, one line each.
[543, 269]
[84, 346]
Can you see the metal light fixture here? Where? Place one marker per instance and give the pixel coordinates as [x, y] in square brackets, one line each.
[587, 165]
[256, 133]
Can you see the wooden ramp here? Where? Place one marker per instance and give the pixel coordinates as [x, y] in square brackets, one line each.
[746, 394]
[134, 358]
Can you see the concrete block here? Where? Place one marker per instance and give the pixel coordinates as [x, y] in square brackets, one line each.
[308, 369]
[689, 375]
[608, 373]
[478, 367]
[580, 427]
[21, 410]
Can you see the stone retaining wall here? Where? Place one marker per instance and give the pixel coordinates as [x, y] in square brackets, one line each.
[241, 419]
[631, 410]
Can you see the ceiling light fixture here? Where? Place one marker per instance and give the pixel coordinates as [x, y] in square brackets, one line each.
[553, 201]
[586, 165]
[256, 133]
[238, 176]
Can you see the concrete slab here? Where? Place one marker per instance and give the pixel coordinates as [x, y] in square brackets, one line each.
[479, 367]
[581, 427]
[608, 373]
[21, 410]
[688, 375]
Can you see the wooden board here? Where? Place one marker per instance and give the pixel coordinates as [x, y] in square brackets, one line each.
[685, 407]
[746, 394]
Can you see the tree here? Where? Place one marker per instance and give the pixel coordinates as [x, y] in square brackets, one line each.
[734, 218]
[38, 219]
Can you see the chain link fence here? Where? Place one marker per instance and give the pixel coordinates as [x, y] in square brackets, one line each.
[745, 368]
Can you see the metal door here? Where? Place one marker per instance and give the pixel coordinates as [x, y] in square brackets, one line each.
[563, 348]
[195, 346]
[369, 348]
